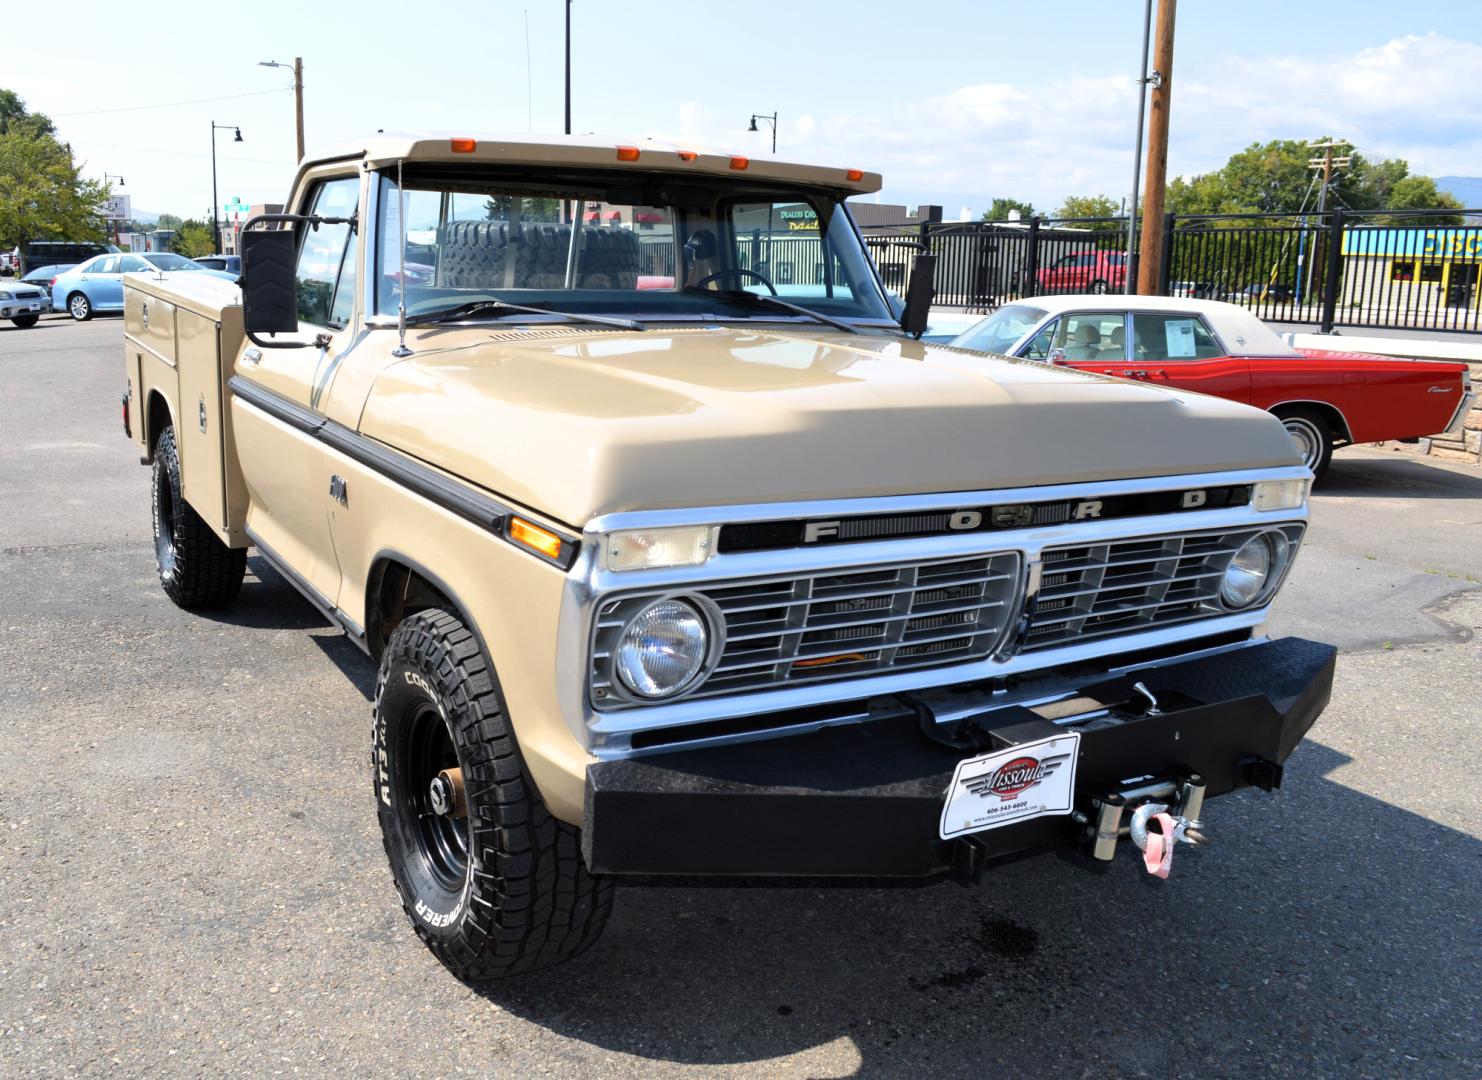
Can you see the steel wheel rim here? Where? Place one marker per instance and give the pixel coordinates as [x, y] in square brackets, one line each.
[1304, 438]
[164, 519]
[441, 841]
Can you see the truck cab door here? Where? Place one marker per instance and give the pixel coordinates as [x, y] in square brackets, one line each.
[1178, 350]
[287, 471]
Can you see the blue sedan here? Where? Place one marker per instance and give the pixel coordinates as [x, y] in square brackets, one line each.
[97, 285]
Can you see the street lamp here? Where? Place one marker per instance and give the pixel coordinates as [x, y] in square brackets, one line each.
[215, 207]
[772, 119]
[298, 95]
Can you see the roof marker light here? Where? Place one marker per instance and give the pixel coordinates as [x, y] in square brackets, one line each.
[463, 146]
[854, 175]
[739, 162]
[687, 155]
[627, 153]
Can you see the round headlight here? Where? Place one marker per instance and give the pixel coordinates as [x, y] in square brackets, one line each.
[1254, 567]
[662, 649]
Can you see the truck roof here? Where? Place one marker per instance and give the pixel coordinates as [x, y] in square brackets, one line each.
[388, 147]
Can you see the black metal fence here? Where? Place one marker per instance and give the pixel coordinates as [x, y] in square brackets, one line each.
[1416, 270]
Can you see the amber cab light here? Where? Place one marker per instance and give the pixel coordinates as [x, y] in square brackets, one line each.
[854, 176]
[534, 537]
[464, 146]
[687, 155]
[627, 153]
[739, 162]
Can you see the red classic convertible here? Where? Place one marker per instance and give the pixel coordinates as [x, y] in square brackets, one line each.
[1326, 399]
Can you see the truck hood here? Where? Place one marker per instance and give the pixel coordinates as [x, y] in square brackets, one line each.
[574, 422]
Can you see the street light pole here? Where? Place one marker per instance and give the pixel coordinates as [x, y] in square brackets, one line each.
[568, 67]
[772, 119]
[298, 96]
[215, 206]
[1128, 278]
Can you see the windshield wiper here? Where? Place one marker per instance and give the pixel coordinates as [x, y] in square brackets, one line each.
[501, 307]
[762, 299]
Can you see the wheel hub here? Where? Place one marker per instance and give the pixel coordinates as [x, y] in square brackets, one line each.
[446, 794]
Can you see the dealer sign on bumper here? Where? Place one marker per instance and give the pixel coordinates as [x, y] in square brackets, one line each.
[1026, 781]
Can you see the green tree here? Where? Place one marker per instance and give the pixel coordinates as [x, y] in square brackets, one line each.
[193, 239]
[1421, 193]
[1278, 177]
[169, 221]
[999, 210]
[1089, 206]
[43, 196]
[15, 117]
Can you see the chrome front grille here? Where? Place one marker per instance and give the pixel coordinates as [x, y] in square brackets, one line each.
[784, 631]
[1124, 586]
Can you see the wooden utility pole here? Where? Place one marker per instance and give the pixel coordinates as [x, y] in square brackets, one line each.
[298, 102]
[1150, 265]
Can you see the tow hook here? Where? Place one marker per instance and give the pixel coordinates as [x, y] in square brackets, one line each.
[1157, 847]
[1152, 802]
[446, 794]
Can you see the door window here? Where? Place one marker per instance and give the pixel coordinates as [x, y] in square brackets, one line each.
[108, 264]
[1173, 337]
[132, 264]
[325, 290]
[1094, 335]
[1039, 347]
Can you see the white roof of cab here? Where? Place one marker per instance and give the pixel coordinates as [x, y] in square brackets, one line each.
[389, 147]
[1241, 332]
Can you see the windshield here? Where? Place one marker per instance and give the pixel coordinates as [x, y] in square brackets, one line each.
[998, 332]
[645, 246]
[164, 260]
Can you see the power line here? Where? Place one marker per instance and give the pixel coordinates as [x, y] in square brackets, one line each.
[171, 104]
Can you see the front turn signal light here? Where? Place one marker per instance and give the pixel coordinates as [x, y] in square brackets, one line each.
[648, 549]
[1279, 494]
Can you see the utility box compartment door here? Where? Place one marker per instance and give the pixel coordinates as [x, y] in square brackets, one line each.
[201, 434]
[150, 320]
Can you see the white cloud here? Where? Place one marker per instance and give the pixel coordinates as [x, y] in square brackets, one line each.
[1074, 135]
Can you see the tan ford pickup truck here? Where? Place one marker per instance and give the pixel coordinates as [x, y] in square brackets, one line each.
[680, 554]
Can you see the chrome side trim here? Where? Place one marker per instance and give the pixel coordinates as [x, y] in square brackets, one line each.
[1347, 428]
[588, 582]
[1455, 426]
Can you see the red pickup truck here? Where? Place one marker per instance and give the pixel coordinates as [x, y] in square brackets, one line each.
[1325, 398]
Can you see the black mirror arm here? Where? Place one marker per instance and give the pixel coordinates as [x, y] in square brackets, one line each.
[321, 341]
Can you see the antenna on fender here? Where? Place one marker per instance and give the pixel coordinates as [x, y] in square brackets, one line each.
[401, 349]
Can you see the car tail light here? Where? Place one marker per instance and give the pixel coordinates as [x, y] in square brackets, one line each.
[52, 283]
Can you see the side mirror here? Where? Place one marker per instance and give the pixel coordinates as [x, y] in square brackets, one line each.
[1057, 356]
[919, 295]
[267, 282]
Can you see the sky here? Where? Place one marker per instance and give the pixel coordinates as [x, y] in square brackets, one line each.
[955, 102]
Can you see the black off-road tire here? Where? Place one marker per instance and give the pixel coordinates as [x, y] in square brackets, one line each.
[196, 569]
[520, 898]
[1312, 435]
[1099, 287]
[25, 322]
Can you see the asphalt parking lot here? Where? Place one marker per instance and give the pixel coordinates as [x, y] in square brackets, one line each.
[192, 881]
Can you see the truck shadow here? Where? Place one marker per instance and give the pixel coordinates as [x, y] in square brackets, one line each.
[1281, 949]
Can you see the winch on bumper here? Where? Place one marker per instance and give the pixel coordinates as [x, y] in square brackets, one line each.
[867, 799]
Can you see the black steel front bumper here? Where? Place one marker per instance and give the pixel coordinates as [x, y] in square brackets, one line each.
[866, 799]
